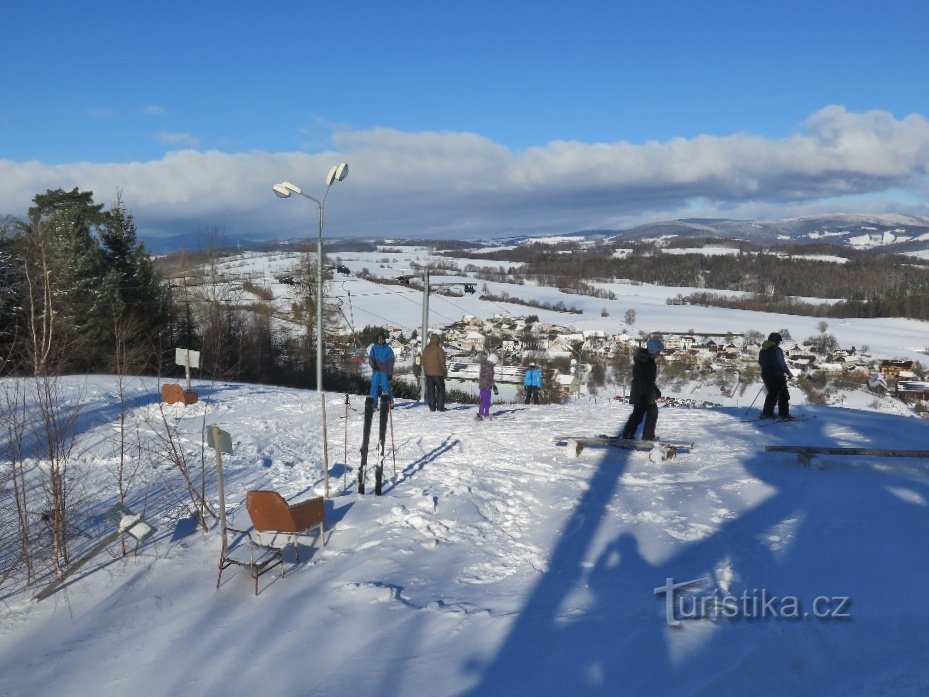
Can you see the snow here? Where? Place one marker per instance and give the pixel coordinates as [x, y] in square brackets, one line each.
[369, 302]
[498, 562]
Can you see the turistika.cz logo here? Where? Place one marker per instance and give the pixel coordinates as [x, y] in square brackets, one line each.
[681, 604]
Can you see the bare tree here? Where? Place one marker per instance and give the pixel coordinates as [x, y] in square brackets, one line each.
[14, 481]
[169, 443]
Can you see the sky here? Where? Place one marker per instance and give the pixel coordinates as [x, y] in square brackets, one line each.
[497, 561]
[466, 119]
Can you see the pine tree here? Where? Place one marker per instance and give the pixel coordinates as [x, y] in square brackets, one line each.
[133, 292]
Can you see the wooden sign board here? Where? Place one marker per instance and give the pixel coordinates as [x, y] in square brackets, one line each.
[225, 441]
[128, 522]
[186, 357]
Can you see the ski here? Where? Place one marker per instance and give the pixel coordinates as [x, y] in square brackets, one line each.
[381, 443]
[777, 420]
[365, 438]
[663, 449]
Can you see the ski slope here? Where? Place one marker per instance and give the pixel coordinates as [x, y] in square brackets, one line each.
[497, 563]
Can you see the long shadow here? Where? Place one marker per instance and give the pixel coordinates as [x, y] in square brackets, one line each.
[417, 465]
[606, 630]
[535, 653]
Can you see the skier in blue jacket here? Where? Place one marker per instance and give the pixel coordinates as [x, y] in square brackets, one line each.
[533, 383]
[381, 360]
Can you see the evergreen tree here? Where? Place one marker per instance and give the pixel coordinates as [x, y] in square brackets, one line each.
[133, 293]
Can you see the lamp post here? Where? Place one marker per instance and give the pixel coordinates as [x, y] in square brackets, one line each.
[284, 190]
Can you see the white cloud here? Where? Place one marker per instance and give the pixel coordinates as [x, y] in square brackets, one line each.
[464, 184]
[153, 110]
[183, 140]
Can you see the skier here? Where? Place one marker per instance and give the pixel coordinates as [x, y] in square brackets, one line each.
[644, 394]
[533, 383]
[485, 384]
[381, 360]
[435, 369]
[774, 374]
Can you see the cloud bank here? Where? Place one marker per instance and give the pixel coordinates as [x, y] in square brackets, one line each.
[463, 185]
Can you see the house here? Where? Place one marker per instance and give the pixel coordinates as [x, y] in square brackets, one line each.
[472, 341]
[909, 390]
[730, 351]
[892, 368]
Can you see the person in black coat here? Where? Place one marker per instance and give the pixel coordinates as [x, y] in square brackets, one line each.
[774, 374]
[644, 393]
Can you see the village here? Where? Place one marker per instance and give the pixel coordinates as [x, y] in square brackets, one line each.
[568, 356]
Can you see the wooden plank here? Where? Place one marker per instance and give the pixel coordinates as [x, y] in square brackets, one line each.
[819, 450]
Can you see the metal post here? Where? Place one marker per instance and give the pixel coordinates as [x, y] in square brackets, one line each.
[221, 486]
[425, 333]
[319, 347]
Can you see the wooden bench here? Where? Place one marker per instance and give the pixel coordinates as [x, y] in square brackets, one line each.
[806, 453]
[173, 393]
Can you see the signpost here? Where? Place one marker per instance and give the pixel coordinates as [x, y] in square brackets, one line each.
[189, 359]
[126, 523]
[221, 442]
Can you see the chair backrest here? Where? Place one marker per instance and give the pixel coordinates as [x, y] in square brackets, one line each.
[268, 510]
[172, 393]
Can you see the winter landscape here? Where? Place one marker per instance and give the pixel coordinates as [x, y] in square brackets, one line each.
[209, 213]
[498, 560]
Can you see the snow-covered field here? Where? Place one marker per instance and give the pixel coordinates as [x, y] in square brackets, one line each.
[500, 563]
[365, 302]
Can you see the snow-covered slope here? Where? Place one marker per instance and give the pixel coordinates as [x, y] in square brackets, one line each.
[497, 562]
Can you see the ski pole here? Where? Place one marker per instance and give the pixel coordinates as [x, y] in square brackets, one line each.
[393, 447]
[754, 400]
[345, 457]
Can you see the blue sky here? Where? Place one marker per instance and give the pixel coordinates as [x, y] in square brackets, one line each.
[481, 118]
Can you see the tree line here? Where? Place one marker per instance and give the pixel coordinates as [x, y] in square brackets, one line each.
[79, 293]
[77, 289]
[868, 284]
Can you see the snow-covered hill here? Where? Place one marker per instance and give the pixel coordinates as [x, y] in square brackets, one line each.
[369, 301]
[497, 562]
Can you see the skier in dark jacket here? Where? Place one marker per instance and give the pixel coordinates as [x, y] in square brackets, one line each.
[774, 374]
[644, 394]
[435, 366]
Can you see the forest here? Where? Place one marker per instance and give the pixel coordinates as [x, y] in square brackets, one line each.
[867, 284]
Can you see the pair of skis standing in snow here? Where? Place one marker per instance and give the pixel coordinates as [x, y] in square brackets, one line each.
[381, 359]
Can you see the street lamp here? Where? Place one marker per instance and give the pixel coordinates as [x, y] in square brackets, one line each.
[284, 190]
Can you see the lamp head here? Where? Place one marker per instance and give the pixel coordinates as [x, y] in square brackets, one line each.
[337, 173]
[285, 189]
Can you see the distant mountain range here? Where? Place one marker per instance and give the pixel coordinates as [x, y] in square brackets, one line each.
[890, 233]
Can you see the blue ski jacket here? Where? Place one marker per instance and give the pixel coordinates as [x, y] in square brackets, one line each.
[533, 378]
[381, 359]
